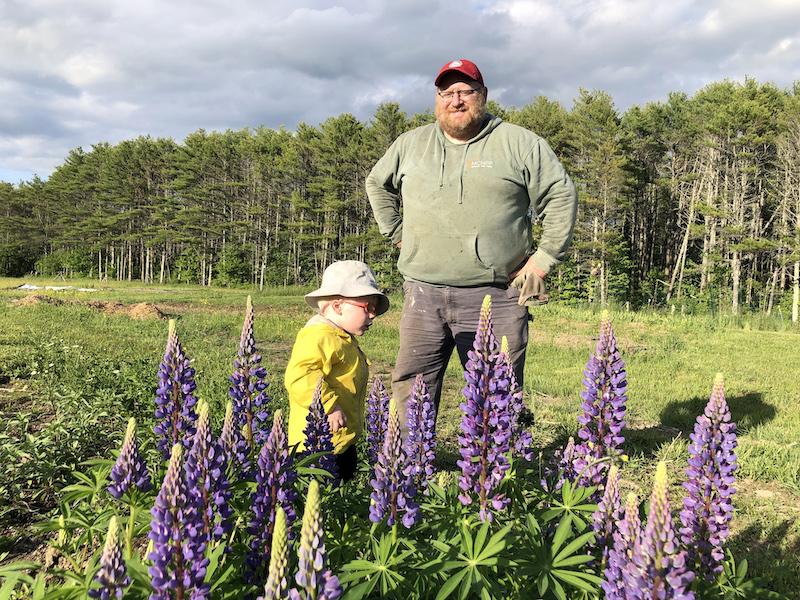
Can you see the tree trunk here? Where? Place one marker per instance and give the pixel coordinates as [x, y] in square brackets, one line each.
[796, 292]
[772, 291]
[736, 274]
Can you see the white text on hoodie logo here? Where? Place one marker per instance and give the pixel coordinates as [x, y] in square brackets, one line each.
[477, 164]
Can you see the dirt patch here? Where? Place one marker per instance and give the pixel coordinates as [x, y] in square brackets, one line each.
[34, 299]
[142, 310]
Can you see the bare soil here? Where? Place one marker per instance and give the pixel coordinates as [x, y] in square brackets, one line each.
[142, 310]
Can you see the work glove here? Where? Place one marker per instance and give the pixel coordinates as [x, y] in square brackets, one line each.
[531, 287]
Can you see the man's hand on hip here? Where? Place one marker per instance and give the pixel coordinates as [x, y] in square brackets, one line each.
[529, 280]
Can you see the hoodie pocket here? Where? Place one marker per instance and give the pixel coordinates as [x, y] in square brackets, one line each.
[445, 259]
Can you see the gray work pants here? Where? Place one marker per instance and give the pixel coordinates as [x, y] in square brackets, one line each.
[437, 319]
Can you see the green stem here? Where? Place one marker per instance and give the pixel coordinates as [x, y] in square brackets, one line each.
[129, 532]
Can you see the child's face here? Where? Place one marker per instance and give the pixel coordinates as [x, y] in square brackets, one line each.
[354, 315]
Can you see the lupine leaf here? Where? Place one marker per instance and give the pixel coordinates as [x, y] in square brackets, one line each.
[558, 590]
[9, 584]
[480, 538]
[580, 580]
[562, 532]
[575, 545]
[496, 543]
[542, 584]
[450, 585]
[360, 591]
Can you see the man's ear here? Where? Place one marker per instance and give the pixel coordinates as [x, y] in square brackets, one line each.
[336, 305]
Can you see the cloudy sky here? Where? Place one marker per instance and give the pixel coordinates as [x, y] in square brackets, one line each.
[78, 72]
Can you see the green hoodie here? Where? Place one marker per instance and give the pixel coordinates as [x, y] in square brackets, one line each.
[466, 208]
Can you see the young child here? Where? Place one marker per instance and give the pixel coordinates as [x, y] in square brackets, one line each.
[346, 303]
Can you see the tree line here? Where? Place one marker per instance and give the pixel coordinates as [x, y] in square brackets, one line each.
[693, 202]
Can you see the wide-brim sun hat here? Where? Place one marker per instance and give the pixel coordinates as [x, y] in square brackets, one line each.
[351, 279]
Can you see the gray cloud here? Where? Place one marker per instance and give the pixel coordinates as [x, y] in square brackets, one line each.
[88, 71]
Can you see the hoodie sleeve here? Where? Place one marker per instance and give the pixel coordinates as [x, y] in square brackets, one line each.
[554, 199]
[383, 191]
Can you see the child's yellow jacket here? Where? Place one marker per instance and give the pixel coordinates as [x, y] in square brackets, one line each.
[323, 349]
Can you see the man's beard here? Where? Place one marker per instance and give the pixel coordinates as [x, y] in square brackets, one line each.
[463, 129]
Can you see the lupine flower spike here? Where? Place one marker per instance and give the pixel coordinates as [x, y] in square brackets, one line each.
[175, 398]
[607, 515]
[314, 582]
[708, 509]
[206, 480]
[561, 467]
[274, 478]
[521, 441]
[421, 442]
[276, 586]
[393, 490]
[179, 568]
[486, 423]
[249, 385]
[658, 568]
[603, 408]
[235, 446]
[621, 553]
[130, 469]
[112, 576]
[377, 419]
[318, 437]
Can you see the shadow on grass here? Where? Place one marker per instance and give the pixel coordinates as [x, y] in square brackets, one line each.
[747, 411]
[771, 553]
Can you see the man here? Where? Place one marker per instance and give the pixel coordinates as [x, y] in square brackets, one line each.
[468, 184]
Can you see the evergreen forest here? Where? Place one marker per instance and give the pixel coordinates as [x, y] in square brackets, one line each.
[692, 203]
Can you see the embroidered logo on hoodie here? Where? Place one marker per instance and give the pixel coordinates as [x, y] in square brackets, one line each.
[477, 164]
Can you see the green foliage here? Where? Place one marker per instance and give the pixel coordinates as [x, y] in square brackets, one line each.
[74, 263]
[233, 268]
[543, 537]
[187, 267]
[16, 261]
[291, 202]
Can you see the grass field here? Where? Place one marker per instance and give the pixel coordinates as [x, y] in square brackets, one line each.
[72, 372]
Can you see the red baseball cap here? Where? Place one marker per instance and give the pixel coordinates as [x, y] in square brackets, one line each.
[466, 67]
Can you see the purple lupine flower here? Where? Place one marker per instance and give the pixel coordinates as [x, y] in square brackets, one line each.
[377, 419]
[130, 468]
[274, 478]
[521, 441]
[179, 567]
[561, 467]
[276, 586]
[318, 437]
[620, 554]
[421, 442]
[708, 509]
[657, 568]
[206, 480]
[393, 492]
[603, 408]
[175, 398]
[112, 575]
[314, 582]
[234, 445]
[607, 516]
[249, 385]
[486, 422]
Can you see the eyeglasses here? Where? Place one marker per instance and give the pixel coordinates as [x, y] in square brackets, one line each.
[462, 95]
[369, 307]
